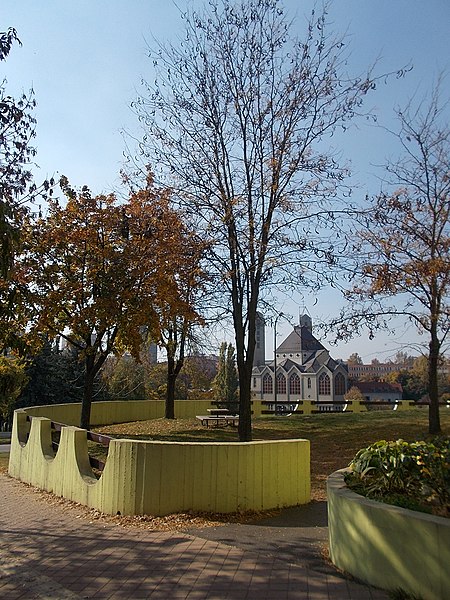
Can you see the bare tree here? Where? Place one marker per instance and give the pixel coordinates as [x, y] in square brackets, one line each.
[238, 117]
[404, 241]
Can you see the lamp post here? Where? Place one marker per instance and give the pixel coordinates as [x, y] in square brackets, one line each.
[275, 387]
[275, 363]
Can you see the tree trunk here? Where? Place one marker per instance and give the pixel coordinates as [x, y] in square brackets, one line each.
[85, 419]
[174, 367]
[245, 406]
[245, 366]
[170, 397]
[434, 424]
[93, 365]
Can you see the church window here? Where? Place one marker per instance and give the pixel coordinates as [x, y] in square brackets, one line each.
[309, 383]
[267, 384]
[281, 383]
[324, 385]
[294, 384]
[339, 385]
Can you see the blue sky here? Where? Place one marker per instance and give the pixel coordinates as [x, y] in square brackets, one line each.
[85, 61]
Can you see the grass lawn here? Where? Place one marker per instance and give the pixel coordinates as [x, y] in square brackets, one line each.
[335, 438]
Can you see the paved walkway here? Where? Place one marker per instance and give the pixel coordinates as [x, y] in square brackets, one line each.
[51, 552]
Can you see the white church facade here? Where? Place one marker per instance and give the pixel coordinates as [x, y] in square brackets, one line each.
[302, 370]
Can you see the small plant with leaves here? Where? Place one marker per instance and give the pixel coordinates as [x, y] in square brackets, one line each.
[414, 475]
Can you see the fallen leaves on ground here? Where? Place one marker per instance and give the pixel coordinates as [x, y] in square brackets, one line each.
[173, 522]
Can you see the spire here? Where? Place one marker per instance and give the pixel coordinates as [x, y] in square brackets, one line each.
[305, 321]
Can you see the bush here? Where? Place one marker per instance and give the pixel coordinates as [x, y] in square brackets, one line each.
[404, 473]
[13, 379]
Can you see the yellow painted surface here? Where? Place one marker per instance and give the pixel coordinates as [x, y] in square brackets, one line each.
[307, 407]
[159, 478]
[107, 413]
[356, 406]
[388, 546]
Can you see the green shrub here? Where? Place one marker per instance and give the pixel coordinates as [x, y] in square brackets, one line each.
[416, 472]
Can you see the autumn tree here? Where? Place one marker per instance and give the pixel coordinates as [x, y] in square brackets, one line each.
[415, 380]
[237, 118]
[17, 188]
[174, 334]
[17, 129]
[354, 359]
[354, 394]
[200, 371]
[403, 242]
[403, 359]
[97, 271]
[13, 378]
[174, 331]
[124, 378]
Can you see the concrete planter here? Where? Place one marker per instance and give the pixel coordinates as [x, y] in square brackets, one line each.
[387, 546]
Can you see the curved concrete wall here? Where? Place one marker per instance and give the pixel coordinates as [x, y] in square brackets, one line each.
[159, 478]
[388, 546]
[107, 413]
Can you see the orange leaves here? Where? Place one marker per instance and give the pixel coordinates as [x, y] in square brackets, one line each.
[98, 268]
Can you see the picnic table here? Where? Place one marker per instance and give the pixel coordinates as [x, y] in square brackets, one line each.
[218, 416]
[216, 412]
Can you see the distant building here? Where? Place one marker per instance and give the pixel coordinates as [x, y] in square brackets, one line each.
[304, 371]
[152, 353]
[355, 371]
[380, 391]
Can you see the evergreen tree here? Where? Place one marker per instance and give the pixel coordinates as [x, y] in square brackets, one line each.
[225, 384]
[54, 377]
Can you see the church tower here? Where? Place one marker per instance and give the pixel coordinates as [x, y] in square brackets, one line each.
[259, 358]
[306, 321]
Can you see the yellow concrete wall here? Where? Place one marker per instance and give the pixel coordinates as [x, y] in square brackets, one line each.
[107, 413]
[162, 477]
[388, 546]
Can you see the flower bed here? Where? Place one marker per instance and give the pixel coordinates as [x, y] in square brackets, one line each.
[411, 475]
[391, 546]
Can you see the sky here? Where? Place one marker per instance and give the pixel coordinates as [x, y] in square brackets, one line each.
[85, 61]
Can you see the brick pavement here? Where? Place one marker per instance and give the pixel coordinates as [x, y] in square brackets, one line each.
[51, 552]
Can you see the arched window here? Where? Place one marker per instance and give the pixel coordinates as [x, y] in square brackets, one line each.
[294, 384]
[267, 384]
[324, 385]
[309, 383]
[339, 385]
[281, 383]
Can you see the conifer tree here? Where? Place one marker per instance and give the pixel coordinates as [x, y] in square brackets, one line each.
[225, 384]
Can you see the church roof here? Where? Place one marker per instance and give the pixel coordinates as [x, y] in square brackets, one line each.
[301, 340]
[287, 364]
[319, 359]
[302, 351]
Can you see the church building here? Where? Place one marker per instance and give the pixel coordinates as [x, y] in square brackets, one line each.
[303, 370]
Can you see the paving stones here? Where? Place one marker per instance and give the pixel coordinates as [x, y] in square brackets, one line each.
[51, 552]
